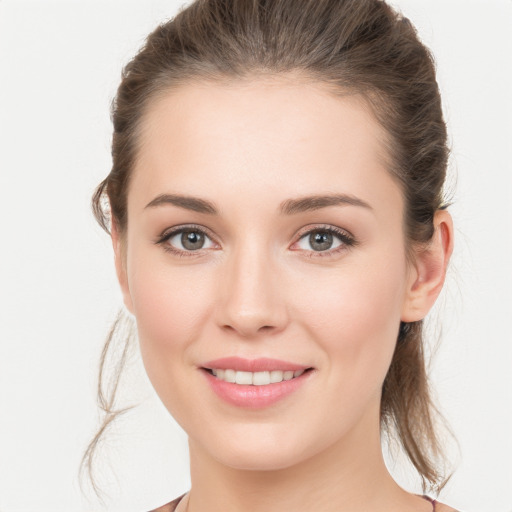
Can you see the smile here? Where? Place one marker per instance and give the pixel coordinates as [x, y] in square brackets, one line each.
[255, 378]
[255, 383]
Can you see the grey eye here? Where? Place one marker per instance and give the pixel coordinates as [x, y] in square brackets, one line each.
[320, 240]
[190, 240]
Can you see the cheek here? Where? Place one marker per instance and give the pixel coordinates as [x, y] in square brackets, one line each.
[162, 307]
[354, 313]
[170, 309]
[170, 305]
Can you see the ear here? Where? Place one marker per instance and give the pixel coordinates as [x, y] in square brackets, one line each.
[119, 245]
[429, 270]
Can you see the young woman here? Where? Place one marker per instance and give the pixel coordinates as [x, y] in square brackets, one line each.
[277, 216]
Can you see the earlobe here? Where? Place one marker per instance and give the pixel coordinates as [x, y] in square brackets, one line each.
[118, 244]
[430, 267]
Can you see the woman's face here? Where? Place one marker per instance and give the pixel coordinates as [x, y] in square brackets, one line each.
[264, 227]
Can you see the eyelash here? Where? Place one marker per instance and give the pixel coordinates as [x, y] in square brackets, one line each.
[167, 235]
[347, 240]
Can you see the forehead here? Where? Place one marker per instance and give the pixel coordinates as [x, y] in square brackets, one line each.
[276, 136]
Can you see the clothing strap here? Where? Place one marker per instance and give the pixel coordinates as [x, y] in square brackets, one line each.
[170, 507]
[431, 501]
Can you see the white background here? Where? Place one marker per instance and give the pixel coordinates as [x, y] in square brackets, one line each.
[59, 67]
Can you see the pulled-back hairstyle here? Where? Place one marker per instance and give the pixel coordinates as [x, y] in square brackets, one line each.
[355, 46]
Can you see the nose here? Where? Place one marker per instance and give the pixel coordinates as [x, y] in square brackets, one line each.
[251, 298]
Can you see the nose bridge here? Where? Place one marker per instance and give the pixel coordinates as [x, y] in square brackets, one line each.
[252, 299]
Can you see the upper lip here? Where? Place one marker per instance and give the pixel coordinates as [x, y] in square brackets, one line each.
[261, 364]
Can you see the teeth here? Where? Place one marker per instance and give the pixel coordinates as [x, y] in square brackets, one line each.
[276, 376]
[261, 378]
[229, 375]
[243, 378]
[256, 378]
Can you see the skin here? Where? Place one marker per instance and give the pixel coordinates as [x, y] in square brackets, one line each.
[258, 289]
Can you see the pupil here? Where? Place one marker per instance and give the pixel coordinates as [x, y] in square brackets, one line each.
[320, 241]
[192, 240]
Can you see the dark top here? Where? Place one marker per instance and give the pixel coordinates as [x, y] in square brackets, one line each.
[170, 507]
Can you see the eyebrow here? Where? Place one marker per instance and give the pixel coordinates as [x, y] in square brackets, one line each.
[288, 207]
[309, 203]
[187, 202]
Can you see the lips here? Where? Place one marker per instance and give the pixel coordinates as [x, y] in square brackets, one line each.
[263, 364]
[254, 383]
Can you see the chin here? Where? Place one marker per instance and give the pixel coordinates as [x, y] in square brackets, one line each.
[257, 460]
[261, 450]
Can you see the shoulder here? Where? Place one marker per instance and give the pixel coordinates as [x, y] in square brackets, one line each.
[441, 507]
[169, 507]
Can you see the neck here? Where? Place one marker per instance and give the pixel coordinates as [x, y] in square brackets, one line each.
[348, 476]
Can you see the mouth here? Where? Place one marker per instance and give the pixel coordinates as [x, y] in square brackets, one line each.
[261, 378]
[255, 383]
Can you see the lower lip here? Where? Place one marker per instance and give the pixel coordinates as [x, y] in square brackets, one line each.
[255, 397]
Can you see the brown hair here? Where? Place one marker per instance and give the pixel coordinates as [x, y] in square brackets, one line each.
[360, 46]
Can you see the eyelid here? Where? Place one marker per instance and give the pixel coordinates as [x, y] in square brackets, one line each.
[169, 233]
[324, 227]
[347, 239]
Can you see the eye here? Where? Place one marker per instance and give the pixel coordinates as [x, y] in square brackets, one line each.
[324, 239]
[183, 240]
